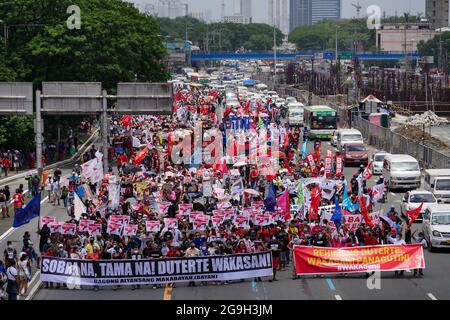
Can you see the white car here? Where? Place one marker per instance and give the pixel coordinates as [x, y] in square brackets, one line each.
[436, 226]
[279, 102]
[290, 100]
[413, 199]
[378, 159]
[334, 138]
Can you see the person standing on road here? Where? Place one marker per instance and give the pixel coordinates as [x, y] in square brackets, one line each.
[10, 254]
[275, 246]
[56, 191]
[192, 251]
[12, 287]
[4, 204]
[18, 201]
[420, 238]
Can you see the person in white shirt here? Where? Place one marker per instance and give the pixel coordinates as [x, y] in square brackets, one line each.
[397, 240]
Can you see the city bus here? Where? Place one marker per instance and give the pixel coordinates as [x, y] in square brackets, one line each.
[320, 121]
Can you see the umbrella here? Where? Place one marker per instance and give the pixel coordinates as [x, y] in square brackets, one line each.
[252, 191]
[239, 164]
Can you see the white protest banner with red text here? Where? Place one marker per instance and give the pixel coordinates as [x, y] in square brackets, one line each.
[94, 229]
[152, 226]
[130, 230]
[339, 166]
[68, 229]
[171, 223]
[114, 228]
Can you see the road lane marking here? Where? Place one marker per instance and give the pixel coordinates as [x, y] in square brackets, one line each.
[393, 194]
[168, 292]
[36, 287]
[337, 297]
[431, 296]
[330, 284]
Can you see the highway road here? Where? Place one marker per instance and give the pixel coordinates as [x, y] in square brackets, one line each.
[434, 285]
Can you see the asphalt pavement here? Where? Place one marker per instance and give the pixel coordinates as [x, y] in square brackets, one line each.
[434, 285]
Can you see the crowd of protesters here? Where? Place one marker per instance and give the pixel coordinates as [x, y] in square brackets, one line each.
[142, 149]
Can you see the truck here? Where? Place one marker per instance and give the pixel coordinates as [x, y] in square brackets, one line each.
[437, 181]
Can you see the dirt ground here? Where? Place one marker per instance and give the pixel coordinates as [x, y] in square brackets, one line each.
[417, 134]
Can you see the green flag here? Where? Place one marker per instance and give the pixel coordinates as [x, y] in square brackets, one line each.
[260, 123]
[300, 193]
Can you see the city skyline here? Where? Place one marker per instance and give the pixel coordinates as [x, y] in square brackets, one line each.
[260, 7]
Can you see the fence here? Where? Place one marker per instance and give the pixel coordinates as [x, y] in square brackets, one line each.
[385, 139]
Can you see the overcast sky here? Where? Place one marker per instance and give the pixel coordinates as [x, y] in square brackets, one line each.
[260, 7]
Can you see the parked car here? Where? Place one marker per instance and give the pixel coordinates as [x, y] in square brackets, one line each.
[413, 199]
[355, 153]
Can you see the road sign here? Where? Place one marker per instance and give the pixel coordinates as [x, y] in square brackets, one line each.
[72, 97]
[16, 98]
[329, 55]
[145, 98]
[345, 55]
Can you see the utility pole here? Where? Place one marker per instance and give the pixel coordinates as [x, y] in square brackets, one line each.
[105, 130]
[274, 57]
[38, 159]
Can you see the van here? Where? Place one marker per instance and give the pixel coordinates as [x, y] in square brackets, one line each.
[401, 171]
[348, 136]
[437, 181]
[296, 111]
[436, 226]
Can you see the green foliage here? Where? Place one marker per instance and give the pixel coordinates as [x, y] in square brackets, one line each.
[222, 36]
[432, 47]
[322, 35]
[16, 132]
[115, 43]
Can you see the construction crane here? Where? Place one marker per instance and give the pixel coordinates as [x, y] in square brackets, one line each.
[358, 8]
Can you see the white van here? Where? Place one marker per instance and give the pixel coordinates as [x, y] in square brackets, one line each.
[437, 181]
[401, 171]
[296, 111]
[436, 226]
[348, 136]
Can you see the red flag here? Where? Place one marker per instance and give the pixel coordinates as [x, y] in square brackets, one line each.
[318, 150]
[126, 120]
[226, 112]
[315, 202]
[367, 174]
[288, 167]
[364, 211]
[247, 106]
[414, 214]
[140, 156]
[221, 167]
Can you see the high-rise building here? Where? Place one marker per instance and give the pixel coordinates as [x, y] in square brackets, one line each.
[278, 15]
[437, 12]
[171, 9]
[308, 12]
[246, 9]
[299, 13]
[325, 9]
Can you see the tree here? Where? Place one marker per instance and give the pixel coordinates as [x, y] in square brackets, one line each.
[116, 43]
[432, 48]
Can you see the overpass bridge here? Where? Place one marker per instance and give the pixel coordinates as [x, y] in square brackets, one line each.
[301, 55]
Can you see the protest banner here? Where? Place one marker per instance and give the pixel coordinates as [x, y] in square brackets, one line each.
[68, 229]
[114, 228]
[54, 227]
[242, 222]
[263, 220]
[152, 226]
[157, 271]
[83, 224]
[46, 220]
[94, 229]
[320, 260]
[339, 166]
[171, 223]
[201, 222]
[130, 230]
[163, 207]
[185, 208]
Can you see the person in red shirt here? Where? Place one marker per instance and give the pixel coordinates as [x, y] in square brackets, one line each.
[370, 239]
[6, 164]
[122, 159]
[241, 248]
[18, 200]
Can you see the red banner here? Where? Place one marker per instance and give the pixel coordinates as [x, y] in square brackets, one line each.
[318, 260]
[339, 166]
